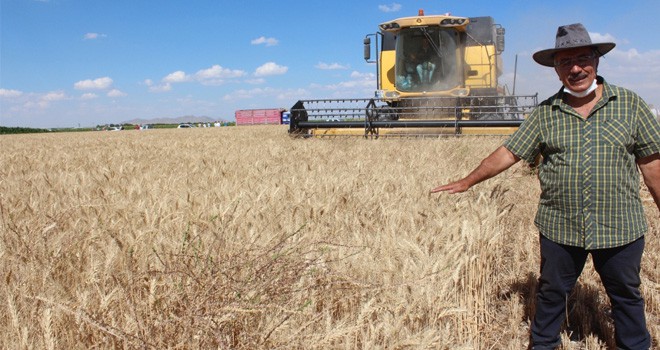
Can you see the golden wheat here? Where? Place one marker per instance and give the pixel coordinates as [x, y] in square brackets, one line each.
[243, 238]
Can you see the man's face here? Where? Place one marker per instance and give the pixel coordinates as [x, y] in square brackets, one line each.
[576, 68]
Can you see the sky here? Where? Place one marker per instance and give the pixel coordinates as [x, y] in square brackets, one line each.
[80, 63]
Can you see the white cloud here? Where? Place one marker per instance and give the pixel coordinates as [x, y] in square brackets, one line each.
[96, 84]
[157, 88]
[89, 96]
[394, 7]
[357, 84]
[602, 38]
[292, 95]
[634, 69]
[270, 68]
[93, 36]
[161, 87]
[177, 77]
[44, 101]
[247, 94]
[217, 75]
[363, 76]
[256, 81]
[265, 41]
[331, 66]
[10, 93]
[54, 96]
[214, 75]
[632, 60]
[116, 93]
[20, 102]
[283, 95]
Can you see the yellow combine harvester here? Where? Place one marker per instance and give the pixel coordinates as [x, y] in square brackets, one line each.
[436, 75]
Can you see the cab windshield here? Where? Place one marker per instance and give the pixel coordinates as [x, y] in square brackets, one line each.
[426, 59]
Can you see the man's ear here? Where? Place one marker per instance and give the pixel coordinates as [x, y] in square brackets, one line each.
[596, 63]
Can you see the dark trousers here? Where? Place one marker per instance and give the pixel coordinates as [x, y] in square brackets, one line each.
[618, 268]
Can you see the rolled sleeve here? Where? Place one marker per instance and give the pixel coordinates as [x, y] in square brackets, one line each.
[647, 141]
[524, 143]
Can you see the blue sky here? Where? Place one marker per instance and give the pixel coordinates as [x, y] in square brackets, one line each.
[87, 62]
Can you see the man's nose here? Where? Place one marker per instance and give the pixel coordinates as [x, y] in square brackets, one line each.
[575, 68]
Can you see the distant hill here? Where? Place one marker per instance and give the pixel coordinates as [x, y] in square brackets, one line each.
[178, 120]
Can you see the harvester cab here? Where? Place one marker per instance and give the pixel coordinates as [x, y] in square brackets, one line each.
[435, 75]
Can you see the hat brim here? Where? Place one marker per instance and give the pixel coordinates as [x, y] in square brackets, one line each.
[546, 57]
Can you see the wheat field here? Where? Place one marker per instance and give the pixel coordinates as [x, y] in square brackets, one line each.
[244, 238]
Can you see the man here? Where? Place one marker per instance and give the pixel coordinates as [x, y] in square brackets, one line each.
[592, 137]
[425, 67]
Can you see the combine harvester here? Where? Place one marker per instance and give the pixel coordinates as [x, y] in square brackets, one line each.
[436, 75]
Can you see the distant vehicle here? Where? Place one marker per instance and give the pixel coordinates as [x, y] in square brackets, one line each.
[114, 128]
[185, 125]
[274, 116]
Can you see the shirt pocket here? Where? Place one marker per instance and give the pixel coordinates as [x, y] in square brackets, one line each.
[615, 132]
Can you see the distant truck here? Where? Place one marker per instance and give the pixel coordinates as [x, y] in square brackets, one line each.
[272, 116]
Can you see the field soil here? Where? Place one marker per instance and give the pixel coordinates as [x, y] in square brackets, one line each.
[244, 238]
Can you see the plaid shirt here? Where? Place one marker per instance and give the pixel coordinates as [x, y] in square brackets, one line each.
[589, 178]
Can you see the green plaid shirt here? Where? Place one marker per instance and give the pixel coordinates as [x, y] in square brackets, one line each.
[589, 177]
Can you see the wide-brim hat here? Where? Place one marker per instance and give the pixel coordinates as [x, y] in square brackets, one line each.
[570, 37]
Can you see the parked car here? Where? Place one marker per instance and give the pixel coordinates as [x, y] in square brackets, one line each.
[185, 125]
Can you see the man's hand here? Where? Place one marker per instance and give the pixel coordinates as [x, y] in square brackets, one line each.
[453, 187]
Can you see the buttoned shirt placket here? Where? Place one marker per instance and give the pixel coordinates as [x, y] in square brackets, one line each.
[587, 188]
[586, 129]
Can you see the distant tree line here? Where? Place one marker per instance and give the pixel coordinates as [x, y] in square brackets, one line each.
[23, 130]
[20, 130]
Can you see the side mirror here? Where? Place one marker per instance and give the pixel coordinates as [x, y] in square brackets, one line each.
[367, 49]
[500, 39]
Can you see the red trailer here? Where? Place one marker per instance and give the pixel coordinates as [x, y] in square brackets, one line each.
[259, 116]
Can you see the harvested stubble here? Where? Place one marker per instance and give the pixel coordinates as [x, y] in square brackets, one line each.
[242, 238]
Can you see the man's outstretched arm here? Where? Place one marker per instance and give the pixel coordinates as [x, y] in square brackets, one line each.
[492, 165]
[650, 168]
